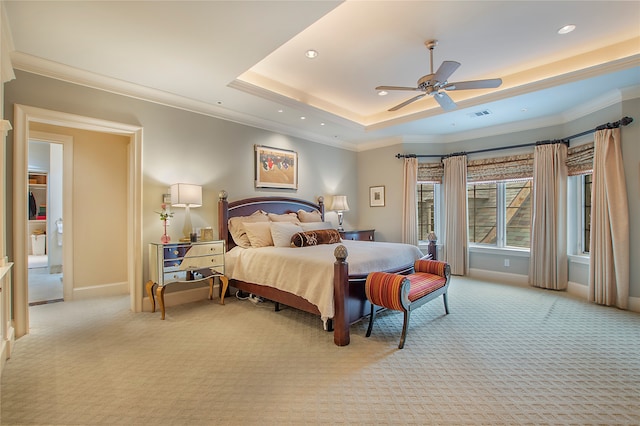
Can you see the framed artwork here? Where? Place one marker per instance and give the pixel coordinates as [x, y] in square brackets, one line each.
[376, 196]
[276, 168]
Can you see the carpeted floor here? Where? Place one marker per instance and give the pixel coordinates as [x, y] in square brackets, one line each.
[505, 355]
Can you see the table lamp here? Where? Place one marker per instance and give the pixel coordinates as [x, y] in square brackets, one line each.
[187, 196]
[339, 204]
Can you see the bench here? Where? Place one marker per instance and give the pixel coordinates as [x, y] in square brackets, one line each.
[407, 292]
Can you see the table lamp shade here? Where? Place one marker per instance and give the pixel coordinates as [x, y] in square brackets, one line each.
[339, 203]
[186, 195]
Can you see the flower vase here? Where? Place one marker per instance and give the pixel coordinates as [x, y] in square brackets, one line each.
[165, 238]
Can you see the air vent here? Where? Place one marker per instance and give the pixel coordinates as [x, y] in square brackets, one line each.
[480, 113]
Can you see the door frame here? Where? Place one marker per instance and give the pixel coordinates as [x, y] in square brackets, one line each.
[23, 115]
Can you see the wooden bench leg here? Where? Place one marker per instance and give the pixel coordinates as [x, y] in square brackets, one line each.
[371, 318]
[405, 327]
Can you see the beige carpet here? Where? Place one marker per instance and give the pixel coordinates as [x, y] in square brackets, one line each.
[505, 355]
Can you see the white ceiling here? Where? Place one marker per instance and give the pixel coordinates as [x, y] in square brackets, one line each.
[244, 60]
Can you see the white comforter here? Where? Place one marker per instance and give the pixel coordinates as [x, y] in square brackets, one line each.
[308, 271]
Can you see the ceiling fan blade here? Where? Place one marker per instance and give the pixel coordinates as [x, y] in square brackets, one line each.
[405, 103]
[446, 69]
[396, 88]
[445, 101]
[475, 84]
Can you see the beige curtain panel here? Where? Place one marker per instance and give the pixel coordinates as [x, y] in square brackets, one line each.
[548, 263]
[609, 260]
[455, 218]
[410, 202]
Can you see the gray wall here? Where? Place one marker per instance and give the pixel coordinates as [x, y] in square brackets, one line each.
[380, 167]
[181, 146]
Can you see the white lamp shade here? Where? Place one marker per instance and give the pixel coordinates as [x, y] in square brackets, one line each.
[186, 195]
[339, 203]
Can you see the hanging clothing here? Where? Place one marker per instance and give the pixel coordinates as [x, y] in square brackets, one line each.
[33, 207]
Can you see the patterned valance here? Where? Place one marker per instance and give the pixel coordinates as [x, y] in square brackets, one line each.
[580, 159]
[430, 172]
[502, 168]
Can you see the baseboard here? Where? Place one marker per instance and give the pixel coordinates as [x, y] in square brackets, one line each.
[96, 291]
[579, 290]
[500, 277]
[181, 297]
[575, 289]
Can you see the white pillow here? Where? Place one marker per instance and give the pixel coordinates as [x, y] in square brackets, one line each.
[259, 234]
[281, 232]
[316, 226]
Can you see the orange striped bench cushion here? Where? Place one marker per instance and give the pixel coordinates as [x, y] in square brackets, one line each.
[430, 266]
[423, 284]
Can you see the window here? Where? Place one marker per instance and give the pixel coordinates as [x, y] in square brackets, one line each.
[426, 209]
[586, 212]
[500, 213]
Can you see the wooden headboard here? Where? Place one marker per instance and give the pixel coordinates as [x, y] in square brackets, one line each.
[247, 206]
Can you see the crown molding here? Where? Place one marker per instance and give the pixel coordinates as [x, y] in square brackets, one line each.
[72, 75]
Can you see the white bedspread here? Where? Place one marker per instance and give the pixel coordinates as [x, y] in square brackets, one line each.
[308, 271]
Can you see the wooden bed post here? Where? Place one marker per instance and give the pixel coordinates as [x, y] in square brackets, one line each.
[223, 217]
[340, 297]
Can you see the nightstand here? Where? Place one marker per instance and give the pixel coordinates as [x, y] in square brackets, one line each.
[185, 262]
[360, 235]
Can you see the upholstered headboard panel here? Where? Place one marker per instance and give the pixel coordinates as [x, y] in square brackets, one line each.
[247, 206]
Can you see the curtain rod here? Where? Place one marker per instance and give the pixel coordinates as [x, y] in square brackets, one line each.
[622, 122]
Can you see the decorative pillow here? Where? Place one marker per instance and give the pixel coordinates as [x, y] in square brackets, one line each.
[259, 234]
[237, 230]
[281, 232]
[315, 226]
[313, 238]
[312, 216]
[287, 217]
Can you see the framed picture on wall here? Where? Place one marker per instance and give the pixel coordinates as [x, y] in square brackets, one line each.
[376, 196]
[276, 168]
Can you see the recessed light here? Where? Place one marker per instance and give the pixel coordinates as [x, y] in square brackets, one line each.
[383, 93]
[311, 53]
[303, 118]
[322, 124]
[280, 110]
[566, 29]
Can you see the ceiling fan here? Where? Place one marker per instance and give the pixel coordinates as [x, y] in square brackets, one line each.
[434, 84]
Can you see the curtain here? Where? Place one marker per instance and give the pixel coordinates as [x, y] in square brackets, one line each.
[609, 263]
[548, 263]
[410, 204]
[455, 218]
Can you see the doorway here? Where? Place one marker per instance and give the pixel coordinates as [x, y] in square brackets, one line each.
[24, 118]
[46, 225]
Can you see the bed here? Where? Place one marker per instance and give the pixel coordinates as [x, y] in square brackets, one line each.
[330, 263]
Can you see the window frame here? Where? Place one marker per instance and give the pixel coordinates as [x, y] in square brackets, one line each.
[501, 217]
[437, 206]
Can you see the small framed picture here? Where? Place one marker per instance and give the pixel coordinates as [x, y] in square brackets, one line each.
[166, 199]
[376, 196]
[276, 168]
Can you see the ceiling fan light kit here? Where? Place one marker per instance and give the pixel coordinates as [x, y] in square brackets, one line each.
[433, 84]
